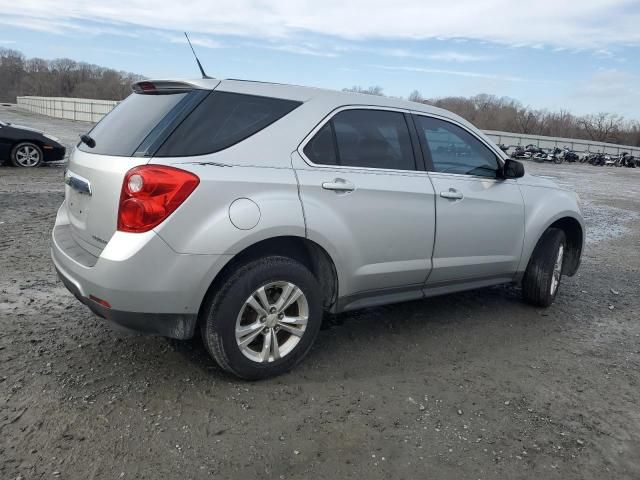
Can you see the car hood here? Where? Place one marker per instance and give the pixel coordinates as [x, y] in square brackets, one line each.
[537, 181]
[23, 127]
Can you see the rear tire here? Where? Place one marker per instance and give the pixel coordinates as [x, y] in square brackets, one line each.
[232, 311]
[542, 278]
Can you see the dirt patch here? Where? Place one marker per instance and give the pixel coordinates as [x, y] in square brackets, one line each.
[472, 385]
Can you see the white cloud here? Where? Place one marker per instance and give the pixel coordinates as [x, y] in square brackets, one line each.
[6, 42]
[603, 53]
[610, 90]
[440, 56]
[195, 40]
[63, 26]
[297, 48]
[458, 57]
[458, 73]
[571, 23]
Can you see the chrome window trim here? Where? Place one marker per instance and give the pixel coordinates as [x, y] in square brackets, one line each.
[464, 176]
[330, 116]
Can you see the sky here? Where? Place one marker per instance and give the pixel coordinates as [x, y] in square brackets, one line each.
[577, 55]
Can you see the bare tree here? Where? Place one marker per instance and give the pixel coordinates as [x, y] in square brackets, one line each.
[526, 121]
[415, 96]
[602, 127]
[369, 91]
[62, 77]
[490, 112]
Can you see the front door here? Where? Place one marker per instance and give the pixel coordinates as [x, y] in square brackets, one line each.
[479, 216]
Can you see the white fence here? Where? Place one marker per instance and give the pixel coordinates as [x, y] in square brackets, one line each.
[83, 109]
[580, 146]
[93, 110]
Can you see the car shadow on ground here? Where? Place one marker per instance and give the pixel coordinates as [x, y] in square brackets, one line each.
[383, 340]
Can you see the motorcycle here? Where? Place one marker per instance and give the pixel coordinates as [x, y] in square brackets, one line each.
[612, 160]
[626, 160]
[554, 155]
[520, 153]
[569, 155]
[598, 159]
[589, 157]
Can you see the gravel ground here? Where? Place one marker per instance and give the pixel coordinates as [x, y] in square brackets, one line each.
[474, 385]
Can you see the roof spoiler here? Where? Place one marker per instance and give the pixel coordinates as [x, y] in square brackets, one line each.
[154, 87]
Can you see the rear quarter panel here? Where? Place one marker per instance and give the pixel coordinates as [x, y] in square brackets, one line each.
[258, 168]
[202, 225]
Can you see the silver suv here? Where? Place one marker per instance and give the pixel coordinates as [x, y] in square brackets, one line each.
[245, 210]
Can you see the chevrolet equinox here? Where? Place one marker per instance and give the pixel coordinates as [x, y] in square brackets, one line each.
[244, 210]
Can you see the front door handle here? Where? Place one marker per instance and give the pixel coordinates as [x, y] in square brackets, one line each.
[452, 194]
[339, 185]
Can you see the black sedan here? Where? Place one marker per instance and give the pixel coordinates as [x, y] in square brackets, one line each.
[27, 147]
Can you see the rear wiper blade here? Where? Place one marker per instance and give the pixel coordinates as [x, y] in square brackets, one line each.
[86, 139]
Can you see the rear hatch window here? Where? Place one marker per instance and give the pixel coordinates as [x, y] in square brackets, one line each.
[126, 127]
[183, 123]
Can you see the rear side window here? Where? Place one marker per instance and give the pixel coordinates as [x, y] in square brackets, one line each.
[130, 122]
[364, 138]
[222, 120]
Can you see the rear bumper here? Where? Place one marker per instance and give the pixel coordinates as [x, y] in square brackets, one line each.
[177, 326]
[149, 287]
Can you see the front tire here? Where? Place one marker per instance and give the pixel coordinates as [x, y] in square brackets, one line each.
[542, 278]
[26, 155]
[264, 319]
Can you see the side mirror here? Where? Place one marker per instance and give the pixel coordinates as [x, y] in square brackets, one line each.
[512, 169]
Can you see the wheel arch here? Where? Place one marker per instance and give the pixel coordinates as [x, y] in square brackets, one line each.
[301, 249]
[37, 142]
[574, 232]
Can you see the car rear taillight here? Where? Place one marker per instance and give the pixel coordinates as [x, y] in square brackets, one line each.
[150, 193]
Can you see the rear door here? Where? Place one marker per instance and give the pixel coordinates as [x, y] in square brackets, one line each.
[480, 217]
[365, 200]
[125, 138]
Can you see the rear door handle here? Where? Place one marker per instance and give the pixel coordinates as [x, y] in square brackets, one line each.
[339, 185]
[452, 194]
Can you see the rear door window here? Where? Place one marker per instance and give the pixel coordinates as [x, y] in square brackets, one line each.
[130, 122]
[364, 138]
[321, 149]
[222, 120]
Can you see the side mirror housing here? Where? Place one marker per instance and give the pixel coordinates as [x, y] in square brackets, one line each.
[512, 169]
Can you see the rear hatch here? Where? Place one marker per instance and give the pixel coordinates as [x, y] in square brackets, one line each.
[125, 138]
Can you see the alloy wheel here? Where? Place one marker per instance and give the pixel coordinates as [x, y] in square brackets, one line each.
[272, 322]
[27, 156]
[557, 270]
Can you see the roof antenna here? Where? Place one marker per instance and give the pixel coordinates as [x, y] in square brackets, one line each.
[204, 75]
